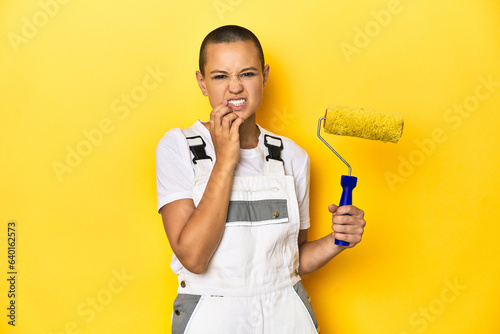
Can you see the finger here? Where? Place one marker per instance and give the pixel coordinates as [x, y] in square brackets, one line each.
[348, 229]
[356, 221]
[342, 220]
[351, 210]
[222, 122]
[353, 229]
[332, 208]
[235, 127]
[228, 120]
[341, 237]
[217, 107]
[350, 238]
[218, 112]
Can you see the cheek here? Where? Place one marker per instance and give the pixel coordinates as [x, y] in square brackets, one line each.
[215, 96]
[258, 94]
[256, 91]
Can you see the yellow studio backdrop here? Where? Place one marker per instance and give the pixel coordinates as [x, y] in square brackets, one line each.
[88, 88]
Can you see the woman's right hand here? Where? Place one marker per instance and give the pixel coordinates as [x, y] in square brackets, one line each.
[224, 130]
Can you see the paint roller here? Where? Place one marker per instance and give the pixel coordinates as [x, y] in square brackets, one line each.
[362, 123]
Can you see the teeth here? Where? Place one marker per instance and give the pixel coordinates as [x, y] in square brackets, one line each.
[237, 103]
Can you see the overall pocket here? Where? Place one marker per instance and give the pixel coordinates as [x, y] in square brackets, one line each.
[259, 212]
[184, 306]
[304, 297]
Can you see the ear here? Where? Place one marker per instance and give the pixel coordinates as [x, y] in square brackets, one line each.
[265, 75]
[201, 82]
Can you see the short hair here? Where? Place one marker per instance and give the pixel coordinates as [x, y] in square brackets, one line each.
[229, 34]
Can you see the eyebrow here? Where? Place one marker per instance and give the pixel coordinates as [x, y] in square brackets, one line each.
[243, 70]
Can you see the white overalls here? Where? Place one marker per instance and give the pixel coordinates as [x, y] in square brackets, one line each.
[251, 284]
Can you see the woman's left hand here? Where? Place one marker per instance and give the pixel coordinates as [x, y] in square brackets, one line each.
[348, 223]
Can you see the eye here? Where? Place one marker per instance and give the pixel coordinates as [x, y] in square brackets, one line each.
[220, 77]
[248, 74]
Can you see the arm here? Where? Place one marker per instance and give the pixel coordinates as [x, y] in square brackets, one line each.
[194, 233]
[315, 254]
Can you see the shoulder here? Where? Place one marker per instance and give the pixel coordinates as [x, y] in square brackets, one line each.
[172, 135]
[171, 143]
[175, 138]
[292, 154]
[288, 144]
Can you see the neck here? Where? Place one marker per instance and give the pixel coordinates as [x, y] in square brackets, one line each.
[249, 133]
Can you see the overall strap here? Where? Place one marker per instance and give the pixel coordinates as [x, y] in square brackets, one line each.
[274, 163]
[202, 163]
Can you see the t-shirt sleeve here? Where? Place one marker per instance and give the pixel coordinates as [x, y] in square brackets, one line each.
[174, 173]
[302, 188]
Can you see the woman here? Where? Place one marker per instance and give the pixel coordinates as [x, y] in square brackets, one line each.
[234, 200]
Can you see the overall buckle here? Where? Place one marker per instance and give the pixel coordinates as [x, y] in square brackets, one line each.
[198, 150]
[274, 150]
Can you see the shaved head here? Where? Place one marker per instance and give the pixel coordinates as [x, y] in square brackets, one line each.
[229, 34]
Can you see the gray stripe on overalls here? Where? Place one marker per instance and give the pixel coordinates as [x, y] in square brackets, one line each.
[184, 306]
[301, 292]
[255, 211]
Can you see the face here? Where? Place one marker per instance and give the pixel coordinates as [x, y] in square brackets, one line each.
[233, 72]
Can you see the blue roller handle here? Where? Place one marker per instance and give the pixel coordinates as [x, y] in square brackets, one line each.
[348, 183]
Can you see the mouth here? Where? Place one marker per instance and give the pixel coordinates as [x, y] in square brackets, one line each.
[237, 103]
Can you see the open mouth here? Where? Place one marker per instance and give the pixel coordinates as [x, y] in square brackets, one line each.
[236, 103]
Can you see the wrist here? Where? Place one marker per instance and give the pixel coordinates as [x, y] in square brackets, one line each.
[335, 248]
[224, 168]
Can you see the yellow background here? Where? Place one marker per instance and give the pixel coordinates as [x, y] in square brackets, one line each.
[431, 200]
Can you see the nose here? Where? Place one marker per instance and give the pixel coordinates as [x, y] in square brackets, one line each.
[235, 85]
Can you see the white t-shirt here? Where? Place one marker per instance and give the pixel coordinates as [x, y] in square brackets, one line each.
[175, 173]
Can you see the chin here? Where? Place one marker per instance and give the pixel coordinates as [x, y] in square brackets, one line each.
[244, 114]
